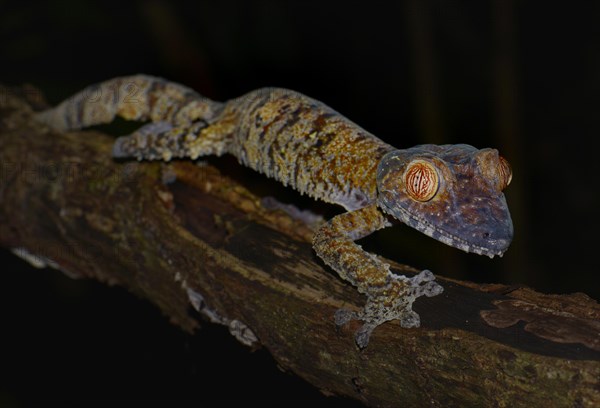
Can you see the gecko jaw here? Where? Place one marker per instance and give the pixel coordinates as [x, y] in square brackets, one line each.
[439, 234]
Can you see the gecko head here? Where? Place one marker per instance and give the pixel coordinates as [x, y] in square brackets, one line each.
[452, 193]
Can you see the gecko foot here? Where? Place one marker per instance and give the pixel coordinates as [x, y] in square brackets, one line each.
[343, 316]
[140, 140]
[393, 301]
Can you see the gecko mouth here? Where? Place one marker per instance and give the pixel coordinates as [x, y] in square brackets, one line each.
[495, 247]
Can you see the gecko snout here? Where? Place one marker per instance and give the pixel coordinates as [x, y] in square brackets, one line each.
[496, 242]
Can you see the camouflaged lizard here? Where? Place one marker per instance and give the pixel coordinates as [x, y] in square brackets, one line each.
[452, 193]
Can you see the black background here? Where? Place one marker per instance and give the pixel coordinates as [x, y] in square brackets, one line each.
[523, 77]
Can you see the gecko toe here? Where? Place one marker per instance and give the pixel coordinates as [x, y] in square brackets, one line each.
[410, 319]
[362, 335]
[343, 316]
[431, 289]
[424, 284]
[118, 150]
[423, 276]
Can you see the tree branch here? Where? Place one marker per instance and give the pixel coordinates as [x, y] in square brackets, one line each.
[205, 241]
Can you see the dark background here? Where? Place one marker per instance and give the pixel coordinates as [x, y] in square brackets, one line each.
[523, 77]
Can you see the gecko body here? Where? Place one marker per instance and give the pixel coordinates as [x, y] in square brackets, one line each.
[452, 193]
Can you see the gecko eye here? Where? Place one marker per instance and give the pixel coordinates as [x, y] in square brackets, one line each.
[504, 172]
[421, 180]
[494, 168]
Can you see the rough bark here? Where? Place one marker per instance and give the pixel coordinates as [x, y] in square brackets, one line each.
[205, 241]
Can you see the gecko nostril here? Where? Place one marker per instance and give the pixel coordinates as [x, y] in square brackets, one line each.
[486, 234]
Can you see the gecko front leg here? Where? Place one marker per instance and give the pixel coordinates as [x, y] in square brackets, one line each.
[389, 296]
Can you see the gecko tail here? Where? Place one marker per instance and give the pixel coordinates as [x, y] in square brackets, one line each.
[137, 97]
[177, 115]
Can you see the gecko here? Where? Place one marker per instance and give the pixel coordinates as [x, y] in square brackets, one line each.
[452, 193]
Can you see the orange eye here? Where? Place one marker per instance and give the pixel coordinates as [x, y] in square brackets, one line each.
[504, 172]
[421, 180]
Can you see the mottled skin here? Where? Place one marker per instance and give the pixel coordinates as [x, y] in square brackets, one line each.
[452, 193]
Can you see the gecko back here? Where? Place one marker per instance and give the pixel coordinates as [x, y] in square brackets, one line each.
[283, 134]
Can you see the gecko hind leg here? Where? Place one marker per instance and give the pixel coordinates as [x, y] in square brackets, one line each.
[163, 141]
